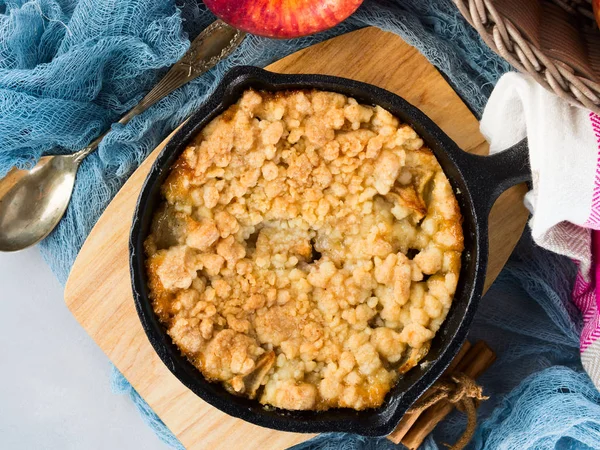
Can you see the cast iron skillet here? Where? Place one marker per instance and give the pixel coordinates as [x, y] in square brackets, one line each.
[477, 182]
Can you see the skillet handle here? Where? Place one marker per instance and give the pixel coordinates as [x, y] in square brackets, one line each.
[491, 175]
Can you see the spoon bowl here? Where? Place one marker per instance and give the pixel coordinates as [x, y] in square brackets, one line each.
[32, 202]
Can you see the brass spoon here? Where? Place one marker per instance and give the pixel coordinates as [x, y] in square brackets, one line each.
[32, 202]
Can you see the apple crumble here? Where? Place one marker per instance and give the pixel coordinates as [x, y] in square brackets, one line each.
[306, 250]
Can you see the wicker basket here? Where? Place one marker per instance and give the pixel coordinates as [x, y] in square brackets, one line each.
[555, 41]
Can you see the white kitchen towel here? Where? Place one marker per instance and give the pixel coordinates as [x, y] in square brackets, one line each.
[564, 151]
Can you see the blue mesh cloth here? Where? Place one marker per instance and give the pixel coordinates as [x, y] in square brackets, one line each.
[71, 68]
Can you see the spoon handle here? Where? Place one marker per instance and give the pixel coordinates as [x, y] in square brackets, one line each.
[216, 42]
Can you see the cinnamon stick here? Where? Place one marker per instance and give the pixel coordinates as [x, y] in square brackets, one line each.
[476, 360]
[411, 417]
[479, 358]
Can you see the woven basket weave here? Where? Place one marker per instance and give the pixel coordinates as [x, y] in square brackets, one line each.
[555, 41]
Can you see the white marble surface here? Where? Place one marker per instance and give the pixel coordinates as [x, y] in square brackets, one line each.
[54, 380]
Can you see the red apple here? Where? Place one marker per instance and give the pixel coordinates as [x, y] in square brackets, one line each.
[596, 6]
[282, 18]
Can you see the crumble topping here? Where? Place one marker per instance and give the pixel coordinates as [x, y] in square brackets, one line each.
[307, 250]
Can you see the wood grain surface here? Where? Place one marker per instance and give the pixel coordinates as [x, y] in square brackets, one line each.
[98, 291]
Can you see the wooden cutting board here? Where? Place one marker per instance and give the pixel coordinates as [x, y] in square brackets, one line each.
[98, 291]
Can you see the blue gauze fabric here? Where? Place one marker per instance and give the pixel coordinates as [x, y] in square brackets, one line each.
[70, 68]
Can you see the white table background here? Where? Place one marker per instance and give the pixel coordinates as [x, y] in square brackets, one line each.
[54, 380]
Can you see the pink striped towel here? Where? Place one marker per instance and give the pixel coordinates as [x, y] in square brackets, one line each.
[564, 150]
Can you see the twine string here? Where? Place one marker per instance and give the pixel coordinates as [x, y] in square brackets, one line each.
[463, 392]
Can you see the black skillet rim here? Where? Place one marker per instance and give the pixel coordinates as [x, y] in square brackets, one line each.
[372, 422]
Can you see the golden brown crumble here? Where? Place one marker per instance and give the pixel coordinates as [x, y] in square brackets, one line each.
[278, 259]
